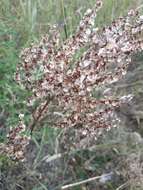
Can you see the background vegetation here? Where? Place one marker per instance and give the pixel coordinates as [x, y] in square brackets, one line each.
[25, 21]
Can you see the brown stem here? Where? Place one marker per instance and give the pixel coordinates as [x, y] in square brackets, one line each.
[37, 119]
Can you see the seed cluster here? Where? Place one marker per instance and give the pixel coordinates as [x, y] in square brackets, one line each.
[16, 141]
[63, 75]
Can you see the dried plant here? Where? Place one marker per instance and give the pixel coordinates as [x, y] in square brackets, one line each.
[62, 76]
[16, 142]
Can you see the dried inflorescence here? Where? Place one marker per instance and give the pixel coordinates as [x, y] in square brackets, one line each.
[17, 141]
[62, 85]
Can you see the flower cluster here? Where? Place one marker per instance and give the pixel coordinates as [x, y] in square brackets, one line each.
[16, 141]
[62, 76]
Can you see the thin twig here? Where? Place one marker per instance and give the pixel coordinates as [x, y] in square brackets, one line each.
[139, 7]
[122, 186]
[37, 119]
[84, 181]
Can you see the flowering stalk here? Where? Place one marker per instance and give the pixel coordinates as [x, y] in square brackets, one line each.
[63, 88]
